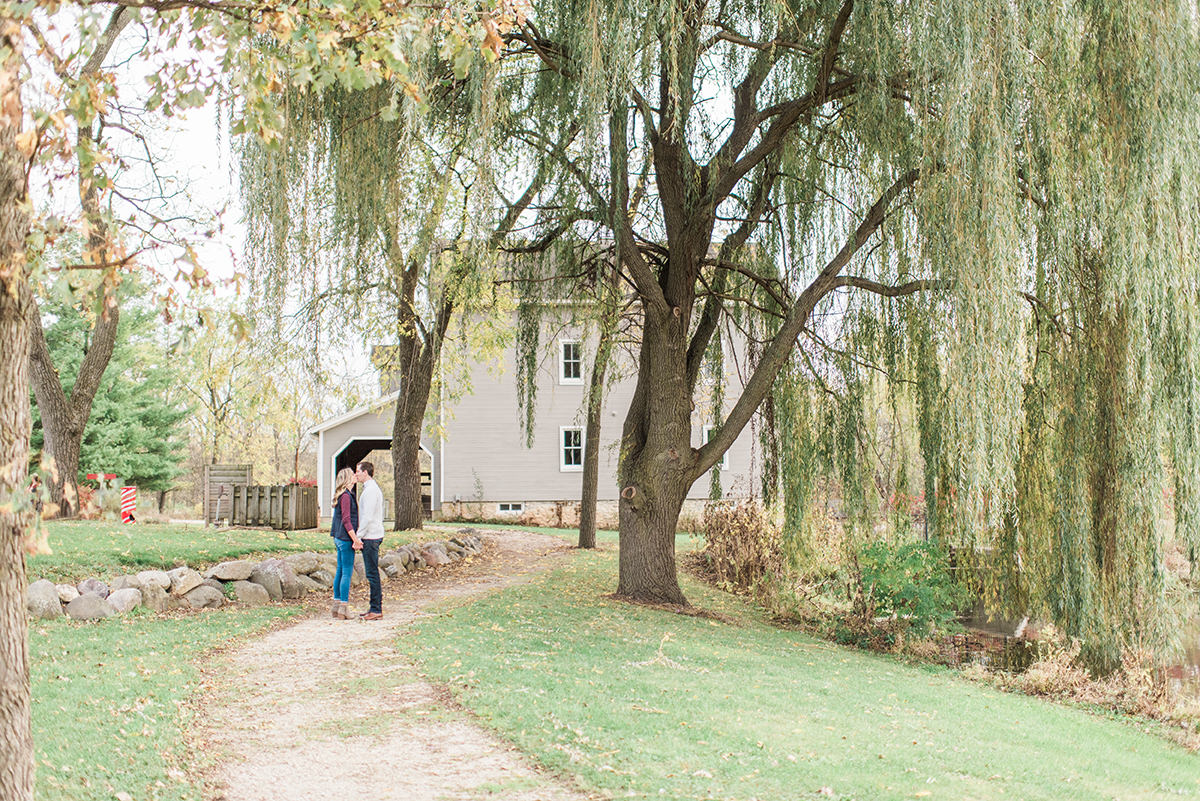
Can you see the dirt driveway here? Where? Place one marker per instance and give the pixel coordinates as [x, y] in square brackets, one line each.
[325, 709]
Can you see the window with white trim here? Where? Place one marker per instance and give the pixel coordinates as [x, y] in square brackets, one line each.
[570, 452]
[510, 508]
[570, 361]
[724, 463]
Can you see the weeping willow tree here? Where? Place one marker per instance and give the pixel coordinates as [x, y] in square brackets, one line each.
[928, 185]
[385, 220]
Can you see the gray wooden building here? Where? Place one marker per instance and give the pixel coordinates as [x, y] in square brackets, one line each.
[476, 455]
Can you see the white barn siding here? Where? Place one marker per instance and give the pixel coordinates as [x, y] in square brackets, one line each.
[485, 456]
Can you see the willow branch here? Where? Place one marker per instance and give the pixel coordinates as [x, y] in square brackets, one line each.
[888, 291]
[775, 355]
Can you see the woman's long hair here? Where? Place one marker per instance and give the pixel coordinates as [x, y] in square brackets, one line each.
[345, 480]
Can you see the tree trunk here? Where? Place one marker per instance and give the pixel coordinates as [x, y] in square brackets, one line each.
[406, 463]
[591, 458]
[65, 418]
[16, 743]
[595, 406]
[61, 427]
[416, 361]
[656, 463]
[649, 513]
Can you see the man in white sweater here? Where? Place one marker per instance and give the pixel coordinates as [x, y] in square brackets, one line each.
[370, 530]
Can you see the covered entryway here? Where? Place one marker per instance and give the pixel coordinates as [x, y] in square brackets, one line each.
[366, 434]
[378, 452]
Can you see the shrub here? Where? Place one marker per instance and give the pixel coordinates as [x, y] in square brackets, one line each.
[900, 590]
[741, 546]
[1056, 671]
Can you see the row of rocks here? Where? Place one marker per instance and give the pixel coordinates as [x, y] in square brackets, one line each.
[240, 580]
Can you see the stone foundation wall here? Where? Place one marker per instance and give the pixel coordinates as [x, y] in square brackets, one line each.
[558, 514]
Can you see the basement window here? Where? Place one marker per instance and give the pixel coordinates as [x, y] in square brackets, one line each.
[511, 508]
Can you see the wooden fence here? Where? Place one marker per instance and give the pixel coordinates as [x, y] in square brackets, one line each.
[288, 507]
[219, 481]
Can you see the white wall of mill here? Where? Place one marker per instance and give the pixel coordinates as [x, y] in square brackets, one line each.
[482, 456]
[486, 458]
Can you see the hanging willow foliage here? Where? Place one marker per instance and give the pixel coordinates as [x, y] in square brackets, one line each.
[1028, 289]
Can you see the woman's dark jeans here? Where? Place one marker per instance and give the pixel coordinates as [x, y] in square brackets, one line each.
[370, 552]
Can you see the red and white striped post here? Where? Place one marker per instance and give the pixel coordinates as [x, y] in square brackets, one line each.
[128, 503]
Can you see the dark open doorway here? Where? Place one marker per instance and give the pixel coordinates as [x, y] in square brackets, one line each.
[379, 453]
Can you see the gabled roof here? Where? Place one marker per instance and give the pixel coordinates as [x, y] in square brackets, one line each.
[371, 407]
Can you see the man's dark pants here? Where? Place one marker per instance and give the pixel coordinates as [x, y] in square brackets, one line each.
[370, 552]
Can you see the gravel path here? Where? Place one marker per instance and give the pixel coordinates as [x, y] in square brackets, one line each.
[325, 709]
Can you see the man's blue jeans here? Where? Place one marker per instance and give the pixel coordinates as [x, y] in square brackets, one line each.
[345, 569]
[370, 552]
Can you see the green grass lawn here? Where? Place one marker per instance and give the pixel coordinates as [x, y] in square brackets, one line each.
[644, 703]
[83, 548]
[107, 701]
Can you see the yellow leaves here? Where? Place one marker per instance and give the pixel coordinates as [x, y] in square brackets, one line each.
[413, 91]
[491, 40]
[266, 133]
[278, 23]
[27, 141]
[327, 40]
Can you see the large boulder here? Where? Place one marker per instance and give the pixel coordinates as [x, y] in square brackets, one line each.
[155, 598]
[94, 586]
[270, 570]
[236, 570]
[155, 578]
[216, 585]
[307, 585]
[322, 577]
[41, 600]
[124, 583]
[278, 578]
[90, 606]
[303, 563]
[125, 599]
[435, 557]
[184, 580]
[204, 597]
[67, 593]
[250, 594]
[269, 581]
[390, 564]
